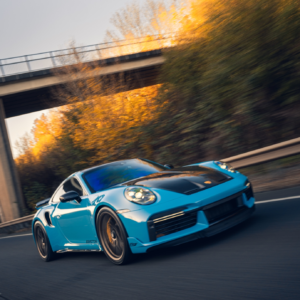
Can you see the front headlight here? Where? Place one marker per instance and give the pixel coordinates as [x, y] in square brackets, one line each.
[140, 195]
[225, 166]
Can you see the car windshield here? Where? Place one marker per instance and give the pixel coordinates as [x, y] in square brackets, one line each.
[105, 176]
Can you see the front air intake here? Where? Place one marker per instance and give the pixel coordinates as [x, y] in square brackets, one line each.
[171, 223]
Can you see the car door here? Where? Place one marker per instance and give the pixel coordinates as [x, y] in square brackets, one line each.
[74, 218]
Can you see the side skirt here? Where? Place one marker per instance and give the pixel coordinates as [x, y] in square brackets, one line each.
[74, 250]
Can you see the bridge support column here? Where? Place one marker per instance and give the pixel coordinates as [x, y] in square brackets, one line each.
[11, 198]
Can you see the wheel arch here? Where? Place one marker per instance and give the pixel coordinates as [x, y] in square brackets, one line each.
[54, 236]
[36, 219]
[98, 208]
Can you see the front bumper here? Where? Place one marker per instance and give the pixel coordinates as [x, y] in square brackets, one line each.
[205, 224]
[214, 229]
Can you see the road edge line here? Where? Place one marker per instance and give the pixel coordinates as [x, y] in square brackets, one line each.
[279, 199]
[9, 237]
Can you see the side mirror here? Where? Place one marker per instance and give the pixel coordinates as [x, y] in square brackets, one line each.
[169, 166]
[70, 196]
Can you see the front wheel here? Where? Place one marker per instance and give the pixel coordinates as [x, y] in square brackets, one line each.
[112, 237]
[42, 242]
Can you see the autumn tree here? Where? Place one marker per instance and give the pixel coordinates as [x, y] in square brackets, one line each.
[142, 27]
[137, 20]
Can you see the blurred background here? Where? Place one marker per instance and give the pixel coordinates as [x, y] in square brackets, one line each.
[230, 84]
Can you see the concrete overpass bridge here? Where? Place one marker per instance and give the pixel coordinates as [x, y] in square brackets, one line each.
[26, 83]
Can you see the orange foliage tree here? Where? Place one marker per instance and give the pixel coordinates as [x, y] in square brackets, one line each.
[99, 121]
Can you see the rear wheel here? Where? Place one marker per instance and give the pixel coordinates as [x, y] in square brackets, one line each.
[112, 237]
[42, 242]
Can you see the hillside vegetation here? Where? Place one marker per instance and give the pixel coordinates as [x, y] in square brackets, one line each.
[231, 85]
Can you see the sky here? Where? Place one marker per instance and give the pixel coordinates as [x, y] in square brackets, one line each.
[33, 26]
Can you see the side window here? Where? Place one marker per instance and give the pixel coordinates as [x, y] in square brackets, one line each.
[73, 185]
[70, 185]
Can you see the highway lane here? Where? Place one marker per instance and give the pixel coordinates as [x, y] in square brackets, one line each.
[256, 260]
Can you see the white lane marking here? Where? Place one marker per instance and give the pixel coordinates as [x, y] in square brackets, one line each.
[278, 199]
[9, 237]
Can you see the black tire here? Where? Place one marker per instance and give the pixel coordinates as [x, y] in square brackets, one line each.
[112, 236]
[42, 242]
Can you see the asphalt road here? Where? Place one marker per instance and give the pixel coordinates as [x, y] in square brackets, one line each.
[259, 259]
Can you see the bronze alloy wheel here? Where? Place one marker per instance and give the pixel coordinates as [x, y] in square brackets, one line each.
[112, 236]
[112, 239]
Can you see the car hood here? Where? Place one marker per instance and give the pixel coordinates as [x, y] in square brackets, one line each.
[185, 180]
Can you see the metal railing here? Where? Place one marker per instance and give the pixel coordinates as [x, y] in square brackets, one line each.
[284, 149]
[53, 59]
[288, 148]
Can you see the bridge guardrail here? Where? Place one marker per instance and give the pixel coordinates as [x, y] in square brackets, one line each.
[58, 58]
[288, 148]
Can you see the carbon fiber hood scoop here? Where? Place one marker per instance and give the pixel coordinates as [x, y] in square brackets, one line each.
[185, 180]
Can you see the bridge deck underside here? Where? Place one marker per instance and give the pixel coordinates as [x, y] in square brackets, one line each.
[43, 98]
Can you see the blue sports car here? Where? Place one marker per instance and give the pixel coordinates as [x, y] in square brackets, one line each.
[136, 206]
